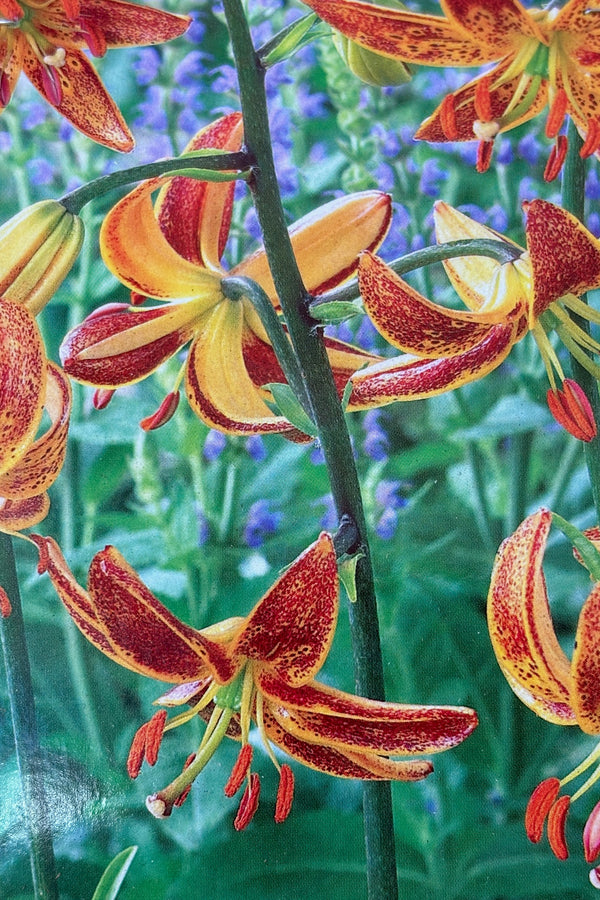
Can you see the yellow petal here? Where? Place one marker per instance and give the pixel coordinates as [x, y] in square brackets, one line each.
[585, 694]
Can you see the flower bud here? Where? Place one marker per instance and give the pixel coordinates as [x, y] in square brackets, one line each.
[38, 246]
[371, 67]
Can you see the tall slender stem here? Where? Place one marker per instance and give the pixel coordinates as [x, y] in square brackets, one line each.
[334, 437]
[27, 749]
[573, 200]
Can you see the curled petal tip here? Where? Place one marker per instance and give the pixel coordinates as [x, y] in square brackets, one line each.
[572, 409]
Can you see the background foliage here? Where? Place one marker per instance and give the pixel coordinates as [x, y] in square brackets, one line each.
[209, 521]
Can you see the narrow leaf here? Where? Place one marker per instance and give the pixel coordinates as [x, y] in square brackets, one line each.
[114, 875]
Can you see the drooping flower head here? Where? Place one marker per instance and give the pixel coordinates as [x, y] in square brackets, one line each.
[543, 57]
[172, 251]
[259, 668]
[446, 348]
[46, 40]
[562, 691]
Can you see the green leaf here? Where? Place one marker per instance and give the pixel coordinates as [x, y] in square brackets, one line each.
[289, 406]
[114, 874]
[337, 311]
[347, 573]
[585, 548]
[290, 39]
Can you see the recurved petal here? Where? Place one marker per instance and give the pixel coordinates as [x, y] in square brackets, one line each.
[585, 668]
[565, 256]
[413, 378]
[521, 627]
[411, 322]
[471, 276]
[15, 515]
[503, 24]
[291, 629]
[84, 100]
[195, 216]
[327, 242]
[120, 347]
[345, 359]
[135, 249]
[218, 385]
[146, 635]
[412, 37]
[23, 370]
[130, 25]
[351, 764]
[40, 465]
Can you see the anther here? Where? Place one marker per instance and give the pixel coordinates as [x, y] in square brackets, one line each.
[154, 736]
[239, 771]
[93, 37]
[5, 604]
[556, 158]
[571, 409]
[482, 99]
[556, 827]
[484, 156]
[592, 139]
[102, 397]
[249, 803]
[5, 90]
[539, 806]
[285, 794]
[137, 751]
[448, 117]
[163, 414]
[558, 111]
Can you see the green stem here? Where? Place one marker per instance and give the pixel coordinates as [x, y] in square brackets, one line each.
[501, 251]
[329, 418]
[573, 200]
[202, 163]
[519, 456]
[27, 749]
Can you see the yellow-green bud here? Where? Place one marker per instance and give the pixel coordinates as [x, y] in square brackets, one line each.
[371, 67]
[38, 246]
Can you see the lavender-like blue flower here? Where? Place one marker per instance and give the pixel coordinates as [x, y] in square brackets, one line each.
[376, 443]
[214, 445]
[261, 520]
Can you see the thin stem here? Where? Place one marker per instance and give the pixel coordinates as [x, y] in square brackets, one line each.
[573, 200]
[217, 162]
[329, 418]
[498, 250]
[27, 749]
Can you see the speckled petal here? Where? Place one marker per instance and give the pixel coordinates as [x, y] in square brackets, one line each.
[520, 625]
[125, 24]
[23, 369]
[565, 256]
[39, 467]
[413, 378]
[291, 629]
[15, 515]
[498, 23]
[585, 694]
[195, 216]
[412, 37]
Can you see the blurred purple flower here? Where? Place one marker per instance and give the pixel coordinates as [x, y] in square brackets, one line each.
[261, 520]
[214, 445]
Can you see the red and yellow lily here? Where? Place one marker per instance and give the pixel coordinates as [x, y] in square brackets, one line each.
[29, 464]
[47, 40]
[171, 251]
[562, 691]
[447, 348]
[544, 57]
[262, 668]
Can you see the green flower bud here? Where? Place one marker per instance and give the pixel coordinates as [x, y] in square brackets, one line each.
[371, 67]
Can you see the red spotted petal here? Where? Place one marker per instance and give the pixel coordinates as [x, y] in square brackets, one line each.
[23, 369]
[585, 694]
[411, 378]
[502, 24]
[125, 24]
[39, 467]
[195, 216]
[291, 629]
[565, 256]
[15, 515]
[520, 624]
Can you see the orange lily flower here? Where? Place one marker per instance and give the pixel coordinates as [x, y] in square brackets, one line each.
[30, 385]
[262, 668]
[447, 348]
[172, 251]
[46, 40]
[561, 691]
[543, 57]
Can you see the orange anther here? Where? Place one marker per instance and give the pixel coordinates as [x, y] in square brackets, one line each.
[249, 803]
[285, 794]
[102, 397]
[592, 139]
[482, 99]
[571, 409]
[556, 827]
[5, 604]
[556, 158]
[448, 117]
[484, 155]
[137, 751]
[165, 411]
[154, 736]
[556, 116]
[539, 806]
[239, 771]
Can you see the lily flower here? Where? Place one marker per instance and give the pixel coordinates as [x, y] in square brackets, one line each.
[543, 57]
[562, 691]
[29, 463]
[47, 40]
[260, 667]
[446, 348]
[171, 251]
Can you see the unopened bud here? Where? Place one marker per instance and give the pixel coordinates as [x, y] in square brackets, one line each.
[371, 67]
